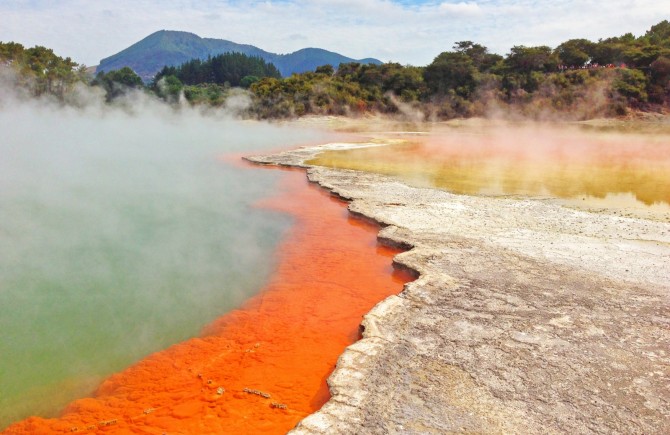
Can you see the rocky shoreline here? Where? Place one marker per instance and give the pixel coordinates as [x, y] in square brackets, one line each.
[527, 317]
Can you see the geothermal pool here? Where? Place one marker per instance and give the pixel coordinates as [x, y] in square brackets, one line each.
[121, 235]
[625, 173]
[262, 367]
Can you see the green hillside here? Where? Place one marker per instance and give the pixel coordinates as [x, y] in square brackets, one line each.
[228, 69]
[173, 48]
[577, 80]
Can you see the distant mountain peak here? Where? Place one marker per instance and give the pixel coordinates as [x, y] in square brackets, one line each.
[174, 47]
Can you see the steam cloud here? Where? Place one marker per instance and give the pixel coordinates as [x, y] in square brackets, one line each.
[122, 232]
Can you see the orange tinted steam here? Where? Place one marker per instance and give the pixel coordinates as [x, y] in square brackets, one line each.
[262, 368]
[517, 161]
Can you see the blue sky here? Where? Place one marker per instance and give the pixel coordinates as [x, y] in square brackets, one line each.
[405, 31]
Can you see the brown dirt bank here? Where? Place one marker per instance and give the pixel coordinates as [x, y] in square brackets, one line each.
[528, 317]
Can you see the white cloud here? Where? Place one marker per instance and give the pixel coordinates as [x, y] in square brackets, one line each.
[384, 29]
[297, 37]
[461, 9]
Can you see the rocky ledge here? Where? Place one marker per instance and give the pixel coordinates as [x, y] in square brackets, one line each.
[527, 317]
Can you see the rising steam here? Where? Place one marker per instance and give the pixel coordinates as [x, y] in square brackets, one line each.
[122, 232]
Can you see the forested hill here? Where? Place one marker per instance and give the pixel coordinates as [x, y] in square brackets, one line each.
[579, 79]
[173, 48]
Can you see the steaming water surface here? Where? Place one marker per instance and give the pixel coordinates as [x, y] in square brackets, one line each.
[616, 172]
[121, 235]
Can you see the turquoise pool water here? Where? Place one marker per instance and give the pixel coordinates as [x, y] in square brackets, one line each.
[120, 235]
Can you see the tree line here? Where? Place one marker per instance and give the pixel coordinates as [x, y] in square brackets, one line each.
[230, 69]
[39, 71]
[577, 79]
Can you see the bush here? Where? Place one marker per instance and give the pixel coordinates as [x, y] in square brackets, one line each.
[632, 84]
